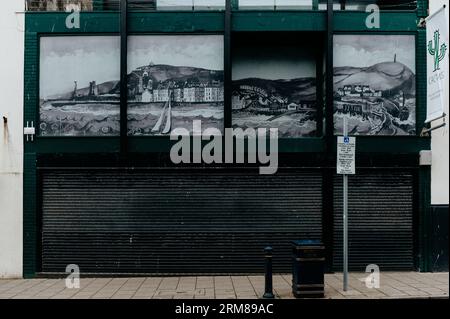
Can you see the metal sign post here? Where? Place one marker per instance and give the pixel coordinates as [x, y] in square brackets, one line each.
[346, 149]
[345, 213]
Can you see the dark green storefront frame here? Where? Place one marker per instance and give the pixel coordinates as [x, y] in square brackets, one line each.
[106, 23]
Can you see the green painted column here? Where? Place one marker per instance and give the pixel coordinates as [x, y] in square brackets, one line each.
[424, 174]
[29, 175]
[315, 5]
[97, 5]
[422, 8]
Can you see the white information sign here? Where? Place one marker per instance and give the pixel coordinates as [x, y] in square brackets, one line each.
[346, 149]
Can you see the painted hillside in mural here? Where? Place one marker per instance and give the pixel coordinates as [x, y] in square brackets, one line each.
[162, 97]
[289, 105]
[377, 99]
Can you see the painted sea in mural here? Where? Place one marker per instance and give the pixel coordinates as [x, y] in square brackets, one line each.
[86, 119]
[92, 111]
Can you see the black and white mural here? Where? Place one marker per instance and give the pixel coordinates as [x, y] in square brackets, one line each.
[174, 80]
[375, 84]
[274, 86]
[79, 86]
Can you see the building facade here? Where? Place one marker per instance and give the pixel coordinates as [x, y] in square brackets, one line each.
[98, 188]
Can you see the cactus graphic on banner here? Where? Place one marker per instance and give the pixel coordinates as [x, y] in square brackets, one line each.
[438, 51]
[437, 64]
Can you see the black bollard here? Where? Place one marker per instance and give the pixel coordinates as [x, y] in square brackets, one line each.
[268, 294]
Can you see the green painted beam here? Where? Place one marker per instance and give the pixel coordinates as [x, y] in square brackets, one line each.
[366, 144]
[279, 21]
[108, 22]
[77, 144]
[392, 21]
[55, 22]
[155, 144]
[391, 144]
[173, 22]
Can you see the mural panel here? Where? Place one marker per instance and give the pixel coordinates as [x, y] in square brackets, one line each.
[174, 80]
[79, 87]
[375, 84]
[274, 86]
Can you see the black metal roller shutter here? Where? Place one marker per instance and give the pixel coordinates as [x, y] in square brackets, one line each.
[176, 220]
[380, 220]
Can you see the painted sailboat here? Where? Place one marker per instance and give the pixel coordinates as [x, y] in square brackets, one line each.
[158, 124]
[167, 114]
[168, 126]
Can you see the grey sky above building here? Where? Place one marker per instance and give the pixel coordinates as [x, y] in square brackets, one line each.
[97, 58]
[367, 50]
[201, 51]
[64, 60]
[273, 63]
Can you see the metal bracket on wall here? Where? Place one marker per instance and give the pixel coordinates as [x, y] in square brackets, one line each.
[426, 131]
[29, 131]
[422, 23]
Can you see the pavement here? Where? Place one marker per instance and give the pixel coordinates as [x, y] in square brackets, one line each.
[398, 285]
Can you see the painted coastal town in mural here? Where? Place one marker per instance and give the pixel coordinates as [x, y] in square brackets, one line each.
[169, 85]
[289, 105]
[162, 97]
[275, 88]
[376, 90]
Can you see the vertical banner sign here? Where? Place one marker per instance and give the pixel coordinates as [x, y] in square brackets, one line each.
[437, 64]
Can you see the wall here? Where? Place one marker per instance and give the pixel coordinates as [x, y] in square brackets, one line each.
[439, 141]
[11, 141]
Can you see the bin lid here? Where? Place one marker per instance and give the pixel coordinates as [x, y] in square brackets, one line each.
[307, 242]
